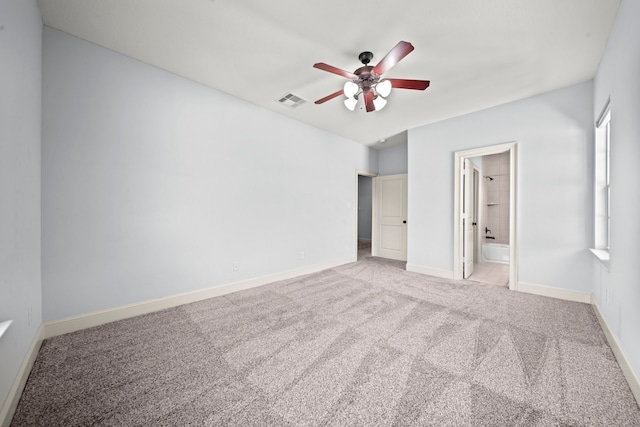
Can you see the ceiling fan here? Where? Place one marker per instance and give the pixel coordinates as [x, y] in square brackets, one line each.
[367, 83]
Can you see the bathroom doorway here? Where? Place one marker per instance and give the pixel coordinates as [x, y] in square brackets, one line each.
[485, 240]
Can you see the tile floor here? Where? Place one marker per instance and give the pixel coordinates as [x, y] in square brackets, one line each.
[491, 273]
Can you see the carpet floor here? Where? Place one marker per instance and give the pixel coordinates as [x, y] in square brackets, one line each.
[367, 343]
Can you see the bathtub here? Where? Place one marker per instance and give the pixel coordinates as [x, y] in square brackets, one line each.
[495, 252]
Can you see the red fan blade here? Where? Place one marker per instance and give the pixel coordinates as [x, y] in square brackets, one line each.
[334, 70]
[368, 101]
[330, 97]
[394, 56]
[409, 84]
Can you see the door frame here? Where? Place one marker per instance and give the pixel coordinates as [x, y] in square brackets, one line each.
[468, 208]
[460, 156]
[360, 172]
[477, 203]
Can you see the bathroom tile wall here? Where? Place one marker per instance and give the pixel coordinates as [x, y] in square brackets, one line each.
[496, 197]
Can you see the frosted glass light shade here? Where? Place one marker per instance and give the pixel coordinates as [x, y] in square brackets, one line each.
[384, 88]
[379, 102]
[350, 89]
[350, 103]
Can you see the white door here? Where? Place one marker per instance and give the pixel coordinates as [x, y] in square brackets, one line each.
[389, 239]
[467, 219]
[477, 254]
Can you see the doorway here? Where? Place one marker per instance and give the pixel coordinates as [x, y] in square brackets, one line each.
[485, 232]
[364, 213]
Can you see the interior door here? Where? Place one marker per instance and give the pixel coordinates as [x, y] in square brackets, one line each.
[477, 254]
[467, 219]
[390, 217]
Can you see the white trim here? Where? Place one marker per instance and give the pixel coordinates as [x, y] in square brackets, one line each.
[88, 320]
[366, 173]
[621, 357]
[601, 184]
[4, 326]
[512, 148]
[11, 403]
[430, 271]
[548, 291]
[603, 114]
[374, 217]
[602, 255]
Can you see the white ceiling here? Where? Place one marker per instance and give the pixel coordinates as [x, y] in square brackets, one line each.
[477, 54]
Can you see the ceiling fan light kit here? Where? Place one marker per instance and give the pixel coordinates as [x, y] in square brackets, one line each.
[350, 103]
[384, 88]
[366, 86]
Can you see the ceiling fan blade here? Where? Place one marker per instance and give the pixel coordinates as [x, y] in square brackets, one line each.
[334, 70]
[394, 56]
[409, 84]
[329, 97]
[368, 102]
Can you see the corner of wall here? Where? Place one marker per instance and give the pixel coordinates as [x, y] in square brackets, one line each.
[11, 403]
[625, 365]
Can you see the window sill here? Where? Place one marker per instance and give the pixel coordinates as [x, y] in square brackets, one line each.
[4, 326]
[602, 255]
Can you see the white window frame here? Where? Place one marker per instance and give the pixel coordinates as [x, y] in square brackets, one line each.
[602, 186]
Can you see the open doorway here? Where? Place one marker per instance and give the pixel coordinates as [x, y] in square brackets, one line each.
[364, 213]
[485, 240]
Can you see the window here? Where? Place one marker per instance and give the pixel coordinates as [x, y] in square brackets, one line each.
[602, 183]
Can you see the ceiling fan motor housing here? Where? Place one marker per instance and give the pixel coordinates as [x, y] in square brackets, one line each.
[366, 78]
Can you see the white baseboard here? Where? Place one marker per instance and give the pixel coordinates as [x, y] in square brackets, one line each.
[549, 291]
[621, 357]
[10, 405]
[88, 320]
[429, 271]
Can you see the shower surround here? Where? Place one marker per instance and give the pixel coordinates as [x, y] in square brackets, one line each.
[495, 188]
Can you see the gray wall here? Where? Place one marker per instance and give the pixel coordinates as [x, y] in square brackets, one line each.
[364, 206]
[393, 160]
[154, 185]
[555, 167]
[618, 78]
[20, 106]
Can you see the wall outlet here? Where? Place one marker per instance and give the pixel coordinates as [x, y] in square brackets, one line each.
[301, 254]
[29, 316]
[606, 295]
[236, 266]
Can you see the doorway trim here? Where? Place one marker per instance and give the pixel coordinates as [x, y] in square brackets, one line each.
[360, 172]
[460, 156]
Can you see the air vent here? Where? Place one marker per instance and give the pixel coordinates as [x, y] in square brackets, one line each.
[291, 100]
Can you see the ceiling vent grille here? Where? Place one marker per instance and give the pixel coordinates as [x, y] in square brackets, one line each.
[291, 100]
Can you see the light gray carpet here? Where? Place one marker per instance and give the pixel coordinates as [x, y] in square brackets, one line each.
[363, 344]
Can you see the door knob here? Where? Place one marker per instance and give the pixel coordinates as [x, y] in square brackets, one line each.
[404, 222]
